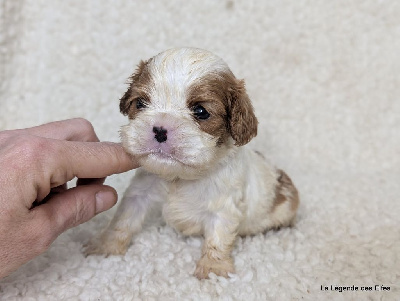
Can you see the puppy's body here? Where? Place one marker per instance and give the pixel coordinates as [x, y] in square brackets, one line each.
[189, 121]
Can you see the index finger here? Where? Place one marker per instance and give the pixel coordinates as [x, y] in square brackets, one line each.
[95, 159]
[66, 160]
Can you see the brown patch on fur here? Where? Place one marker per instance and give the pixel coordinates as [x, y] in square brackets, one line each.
[243, 122]
[231, 112]
[217, 260]
[285, 184]
[211, 93]
[138, 87]
[205, 266]
[109, 243]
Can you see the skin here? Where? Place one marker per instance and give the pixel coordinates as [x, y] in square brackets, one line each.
[35, 204]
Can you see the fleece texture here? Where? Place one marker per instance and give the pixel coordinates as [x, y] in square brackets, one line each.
[324, 78]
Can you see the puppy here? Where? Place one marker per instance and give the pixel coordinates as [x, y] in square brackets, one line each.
[189, 121]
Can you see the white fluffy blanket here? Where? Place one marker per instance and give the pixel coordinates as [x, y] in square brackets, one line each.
[324, 77]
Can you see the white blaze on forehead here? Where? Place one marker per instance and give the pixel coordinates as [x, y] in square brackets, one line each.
[175, 70]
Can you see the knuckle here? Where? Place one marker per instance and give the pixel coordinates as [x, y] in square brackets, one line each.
[80, 210]
[86, 127]
[84, 123]
[81, 213]
[31, 148]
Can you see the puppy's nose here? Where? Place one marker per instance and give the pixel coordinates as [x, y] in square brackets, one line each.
[160, 134]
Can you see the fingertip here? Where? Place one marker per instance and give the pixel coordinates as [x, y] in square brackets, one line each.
[126, 160]
[105, 199]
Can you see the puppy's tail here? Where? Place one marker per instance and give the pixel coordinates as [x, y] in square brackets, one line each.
[286, 200]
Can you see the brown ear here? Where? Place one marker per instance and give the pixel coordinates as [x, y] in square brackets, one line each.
[126, 99]
[125, 102]
[243, 123]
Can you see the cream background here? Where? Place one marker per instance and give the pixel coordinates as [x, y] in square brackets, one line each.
[324, 78]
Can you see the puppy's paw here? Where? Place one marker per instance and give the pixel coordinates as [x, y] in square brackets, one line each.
[219, 267]
[102, 246]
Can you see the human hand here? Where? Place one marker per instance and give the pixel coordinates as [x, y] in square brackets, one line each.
[35, 204]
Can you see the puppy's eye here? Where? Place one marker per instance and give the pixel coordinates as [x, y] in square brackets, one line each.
[200, 113]
[140, 103]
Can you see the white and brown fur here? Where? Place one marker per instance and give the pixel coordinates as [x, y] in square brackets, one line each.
[206, 179]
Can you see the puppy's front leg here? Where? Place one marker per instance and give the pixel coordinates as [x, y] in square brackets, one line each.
[219, 236]
[144, 192]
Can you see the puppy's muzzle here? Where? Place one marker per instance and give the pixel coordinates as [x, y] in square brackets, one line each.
[160, 134]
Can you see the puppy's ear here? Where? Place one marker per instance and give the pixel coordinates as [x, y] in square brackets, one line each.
[243, 123]
[125, 102]
[126, 99]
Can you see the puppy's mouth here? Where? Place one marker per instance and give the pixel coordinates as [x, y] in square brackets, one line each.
[162, 156]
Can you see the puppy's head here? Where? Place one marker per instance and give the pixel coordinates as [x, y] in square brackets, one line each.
[186, 112]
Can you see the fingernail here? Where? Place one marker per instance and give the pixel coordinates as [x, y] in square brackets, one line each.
[104, 201]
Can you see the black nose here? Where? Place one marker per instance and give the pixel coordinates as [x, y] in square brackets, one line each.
[160, 134]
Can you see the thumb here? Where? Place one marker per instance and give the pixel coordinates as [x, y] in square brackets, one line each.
[77, 205]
